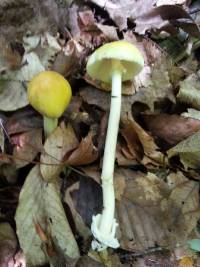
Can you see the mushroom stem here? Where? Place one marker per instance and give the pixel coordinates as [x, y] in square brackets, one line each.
[109, 155]
[49, 125]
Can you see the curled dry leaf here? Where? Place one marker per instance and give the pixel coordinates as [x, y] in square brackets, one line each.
[84, 26]
[140, 144]
[85, 153]
[171, 128]
[8, 245]
[57, 145]
[26, 147]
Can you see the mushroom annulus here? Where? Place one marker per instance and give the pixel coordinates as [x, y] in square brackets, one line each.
[111, 63]
[49, 93]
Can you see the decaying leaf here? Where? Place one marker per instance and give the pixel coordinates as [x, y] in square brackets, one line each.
[60, 142]
[40, 208]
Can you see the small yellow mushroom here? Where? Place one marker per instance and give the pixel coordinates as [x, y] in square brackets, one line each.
[49, 93]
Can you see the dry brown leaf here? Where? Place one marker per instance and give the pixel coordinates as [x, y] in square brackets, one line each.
[171, 128]
[26, 147]
[60, 142]
[124, 157]
[141, 144]
[85, 153]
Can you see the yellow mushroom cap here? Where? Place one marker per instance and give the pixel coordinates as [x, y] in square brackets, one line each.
[49, 93]
[99, 65]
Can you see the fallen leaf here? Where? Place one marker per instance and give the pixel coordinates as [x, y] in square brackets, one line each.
[85, 153]
[141, 144]
[39, 203]
[171, 128]
[61, 141]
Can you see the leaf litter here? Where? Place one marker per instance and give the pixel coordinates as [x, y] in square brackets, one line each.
[57, 181]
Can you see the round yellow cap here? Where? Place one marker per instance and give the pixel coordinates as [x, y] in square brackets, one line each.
[49, 93]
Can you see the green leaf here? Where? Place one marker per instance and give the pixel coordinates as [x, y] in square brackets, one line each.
[39, 204]
[194, 244]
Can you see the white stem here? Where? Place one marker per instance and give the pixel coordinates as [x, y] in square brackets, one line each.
[107, 217]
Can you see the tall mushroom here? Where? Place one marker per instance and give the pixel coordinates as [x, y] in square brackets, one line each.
[49, 93]
[111, 63]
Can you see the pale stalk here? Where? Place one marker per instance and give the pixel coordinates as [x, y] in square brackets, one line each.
[107, 216]
[50, 124]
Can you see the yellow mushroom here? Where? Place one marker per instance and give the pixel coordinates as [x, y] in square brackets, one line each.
[49, 93]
